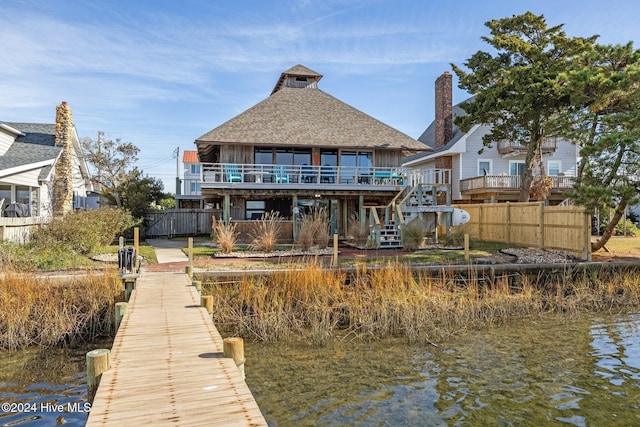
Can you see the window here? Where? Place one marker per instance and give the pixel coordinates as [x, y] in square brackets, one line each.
[195, 168]
[5, 193]
[484, 167]
[254, 209]
[516, 168]
[554, 167]
[195, 187]
[263, 156]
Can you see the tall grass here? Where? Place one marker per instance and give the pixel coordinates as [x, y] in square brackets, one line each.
[47, 312]
[314, 230]
[266, 231]
[316, 304]
[225, 236]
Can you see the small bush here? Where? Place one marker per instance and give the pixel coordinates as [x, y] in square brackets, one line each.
[266, 232]
[413, 235]
[357, 232]
[225, 236]
[314, 230]
[82, 232]
[628, 229]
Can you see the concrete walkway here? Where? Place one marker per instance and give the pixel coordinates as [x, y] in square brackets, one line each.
[168, 251]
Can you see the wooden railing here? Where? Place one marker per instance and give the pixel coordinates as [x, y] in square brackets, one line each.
[510, 182]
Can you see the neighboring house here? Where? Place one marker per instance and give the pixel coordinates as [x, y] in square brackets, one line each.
[494, 175]
[301, 148]
[191, 196]
[42, 169]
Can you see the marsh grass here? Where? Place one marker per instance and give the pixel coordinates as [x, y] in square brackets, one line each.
[47, 312]
[316, 304]
[314, 230]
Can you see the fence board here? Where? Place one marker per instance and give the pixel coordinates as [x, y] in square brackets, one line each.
[179, 222]
[561, 228]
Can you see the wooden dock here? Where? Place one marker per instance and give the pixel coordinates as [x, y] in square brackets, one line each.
[167, 364]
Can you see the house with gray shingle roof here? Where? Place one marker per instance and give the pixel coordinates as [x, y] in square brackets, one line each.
[482, 174]
[30, 154]
[299, 148]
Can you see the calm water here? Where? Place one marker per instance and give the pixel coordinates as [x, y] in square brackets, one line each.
[565, 372]
[575, 372]
[43, 387]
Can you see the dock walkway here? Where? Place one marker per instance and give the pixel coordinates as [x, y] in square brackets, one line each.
[167, 364]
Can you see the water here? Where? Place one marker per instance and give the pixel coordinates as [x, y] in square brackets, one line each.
[44, 387]
[558, 371]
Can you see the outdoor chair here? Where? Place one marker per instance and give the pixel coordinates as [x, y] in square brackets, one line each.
[307, 174]
[233, 174]
[327, 174]
[280, 174]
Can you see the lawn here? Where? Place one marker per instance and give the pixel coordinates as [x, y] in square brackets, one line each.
[623, 247]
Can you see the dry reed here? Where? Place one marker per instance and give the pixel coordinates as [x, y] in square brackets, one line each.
[317, 304]
[266, 231]
[225, 236]
[47, 312]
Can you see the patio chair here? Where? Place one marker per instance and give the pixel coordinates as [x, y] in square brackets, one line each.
[327, 174]
[233, 174]
[307, 174]
[280, 174]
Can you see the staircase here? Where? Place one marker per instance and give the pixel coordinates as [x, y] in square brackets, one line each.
[406, 206]
[390, 236]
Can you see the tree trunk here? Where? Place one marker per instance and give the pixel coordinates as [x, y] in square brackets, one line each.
[608, 230]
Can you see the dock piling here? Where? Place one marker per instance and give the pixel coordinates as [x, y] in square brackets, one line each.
[233, 347]
[98, 361]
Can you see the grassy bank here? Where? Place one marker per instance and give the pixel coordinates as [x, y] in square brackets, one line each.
[315, 304]
[47, 312]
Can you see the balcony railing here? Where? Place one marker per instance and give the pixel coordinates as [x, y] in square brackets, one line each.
[549, 145]
[214, 174]
[510, 182]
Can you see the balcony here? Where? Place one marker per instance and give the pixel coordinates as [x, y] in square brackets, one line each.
[228, 175]
[549, 145]
[509, 183]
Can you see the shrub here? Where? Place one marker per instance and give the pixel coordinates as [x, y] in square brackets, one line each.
[266, 232]
[225, 236]
[314, 229]
[82, 232]
[628, 229]
[413, 235]
[359, 233]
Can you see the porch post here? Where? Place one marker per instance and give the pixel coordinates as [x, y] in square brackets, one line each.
[294, 214]
[226, 209]
[361, 213]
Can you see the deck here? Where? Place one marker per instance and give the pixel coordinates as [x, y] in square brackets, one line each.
[167, 365]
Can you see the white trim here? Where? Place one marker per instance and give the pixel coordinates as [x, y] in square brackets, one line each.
[459, 147]
[489, 172]
[10, 129]
[26, 167]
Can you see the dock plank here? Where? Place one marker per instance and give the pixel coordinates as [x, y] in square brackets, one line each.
[167, 365]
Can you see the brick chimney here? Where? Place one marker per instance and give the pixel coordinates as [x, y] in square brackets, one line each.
[444, 109]
[63, 178]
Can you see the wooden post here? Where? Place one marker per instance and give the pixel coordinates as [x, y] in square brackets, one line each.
[197, 284]
[334, 261]
[136, 247]
[207, 302]
[121, 309]
[121, 242]
[129, 286]
[234, 348]
[541, 225]
[466, 247]
[98, 361]
[189, 268]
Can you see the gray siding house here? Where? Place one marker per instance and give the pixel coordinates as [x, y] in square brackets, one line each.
[494, 175]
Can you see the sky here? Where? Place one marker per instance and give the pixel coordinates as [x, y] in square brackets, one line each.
[160, 73]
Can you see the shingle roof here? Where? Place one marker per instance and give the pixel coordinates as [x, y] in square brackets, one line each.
[428, 137]
[37, 145]
[309, 117]
[36, 133]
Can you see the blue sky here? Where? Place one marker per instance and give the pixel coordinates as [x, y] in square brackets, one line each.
[161, 73]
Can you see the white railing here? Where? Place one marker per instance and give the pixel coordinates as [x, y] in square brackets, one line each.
[215, 173]
[510, 182]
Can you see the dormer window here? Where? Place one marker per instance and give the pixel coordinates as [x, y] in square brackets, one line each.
[301, 79]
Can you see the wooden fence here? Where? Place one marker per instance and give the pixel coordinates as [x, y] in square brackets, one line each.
[179, 222]
[561, 228]
[18, 230]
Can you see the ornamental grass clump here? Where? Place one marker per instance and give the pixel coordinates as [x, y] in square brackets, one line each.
[314, 230]
[225, 236]
[266, 232]
[47, 312]
[317, 304]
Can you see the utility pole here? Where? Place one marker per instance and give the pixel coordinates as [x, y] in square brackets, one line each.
[177, 153]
